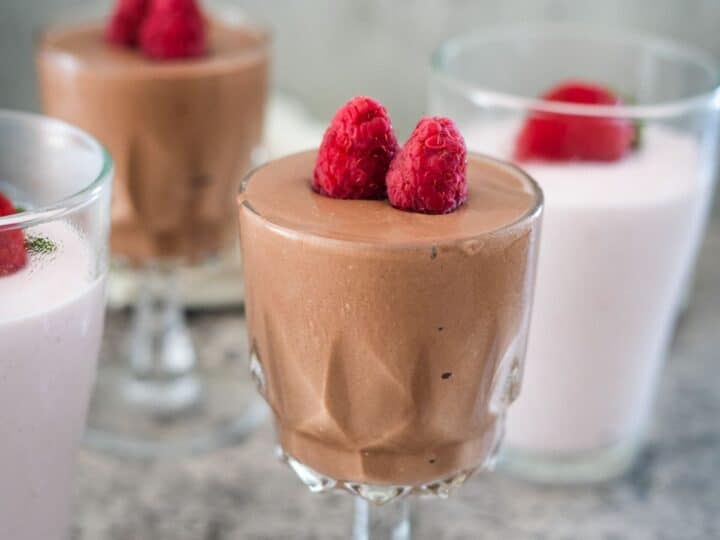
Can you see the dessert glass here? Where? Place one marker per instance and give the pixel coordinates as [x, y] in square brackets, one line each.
[51, 317]
[182, 134]
[388, 357]
[619, 239]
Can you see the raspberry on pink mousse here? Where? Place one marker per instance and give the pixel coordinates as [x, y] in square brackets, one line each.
[356, 152]
[563, 137]
[13, 254]
[429, 173]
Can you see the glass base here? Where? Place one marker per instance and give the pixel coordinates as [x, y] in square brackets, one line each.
[587, 467]
[379, 495]
[214, 284]
[196, 413]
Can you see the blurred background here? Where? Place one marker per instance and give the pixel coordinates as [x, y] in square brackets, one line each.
[329, 50]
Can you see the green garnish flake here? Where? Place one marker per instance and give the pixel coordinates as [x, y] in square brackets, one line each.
[638, 124]
[39, 245]
[19, 209]
[639, 128]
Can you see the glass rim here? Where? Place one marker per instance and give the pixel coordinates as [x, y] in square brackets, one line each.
[589, 32]
[536, 208]
[67, 205]
[230, 14]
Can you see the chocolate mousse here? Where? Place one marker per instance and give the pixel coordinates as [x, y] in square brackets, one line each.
[388, 343]
[181, 132]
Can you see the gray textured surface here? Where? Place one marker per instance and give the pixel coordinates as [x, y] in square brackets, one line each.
[242, 493]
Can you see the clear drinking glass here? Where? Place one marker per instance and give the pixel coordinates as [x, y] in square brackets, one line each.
[619, 238]
[182, 134]
[51, 314]
[389, 365]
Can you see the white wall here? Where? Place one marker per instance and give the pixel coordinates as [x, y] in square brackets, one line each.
[327, 50]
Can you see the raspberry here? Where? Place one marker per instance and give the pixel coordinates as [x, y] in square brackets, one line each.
[429, 173]
[560, 137]
[174, 29]
[124, 26]
[13, 255]
[356, 151]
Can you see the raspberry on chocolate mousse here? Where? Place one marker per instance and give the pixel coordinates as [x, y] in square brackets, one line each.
[428, 174]
[174, 29]
[124, 26]
[356, 152]
[181, 111]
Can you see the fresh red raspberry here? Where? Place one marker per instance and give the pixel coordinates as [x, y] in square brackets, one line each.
[560, 137]
[174, 29]
[429, 173]
[356, 152]
[124, 26]
[13, 255]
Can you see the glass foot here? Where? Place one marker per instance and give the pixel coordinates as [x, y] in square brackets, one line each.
[378, 495]
[387, 522]
[193, 414]
[577, 468]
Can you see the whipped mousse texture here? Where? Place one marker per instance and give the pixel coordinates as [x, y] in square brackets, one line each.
[389, 343]
[51, 319]
[618, 241]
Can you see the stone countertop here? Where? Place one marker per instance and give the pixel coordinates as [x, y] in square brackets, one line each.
[243, 493]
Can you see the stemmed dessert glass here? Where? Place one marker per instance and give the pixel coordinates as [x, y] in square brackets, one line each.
[619, 237]
[182, 133]
[389, 365]
[51, 319]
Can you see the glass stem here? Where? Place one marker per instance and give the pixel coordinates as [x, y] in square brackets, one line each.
[387, 522]
[162, 355]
